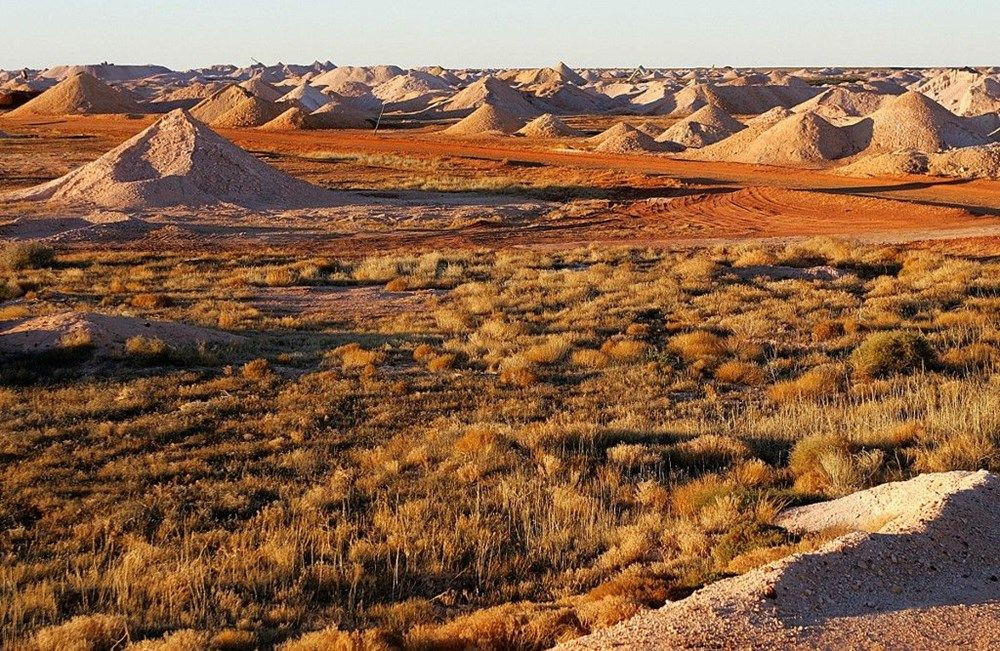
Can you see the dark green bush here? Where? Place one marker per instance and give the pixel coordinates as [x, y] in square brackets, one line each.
[31, 255]
[882, 354]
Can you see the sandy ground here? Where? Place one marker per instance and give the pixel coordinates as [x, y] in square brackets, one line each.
[616, 199]
[919, 571]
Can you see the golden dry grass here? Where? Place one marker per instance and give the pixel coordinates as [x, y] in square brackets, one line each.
[553, 442]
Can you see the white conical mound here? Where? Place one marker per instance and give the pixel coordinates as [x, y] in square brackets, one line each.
[548, 126]
[487, 119]
[177, 161]
[82, 94]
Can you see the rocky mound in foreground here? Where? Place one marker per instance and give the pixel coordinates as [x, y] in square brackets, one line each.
[177, 161]
[919, 570]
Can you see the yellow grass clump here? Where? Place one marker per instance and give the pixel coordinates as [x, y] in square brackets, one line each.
[698, 345]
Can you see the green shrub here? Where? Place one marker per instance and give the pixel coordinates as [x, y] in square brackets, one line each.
[882, 354]
[825, 464]
[31, 255]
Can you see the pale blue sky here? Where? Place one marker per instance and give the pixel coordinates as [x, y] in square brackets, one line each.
[452, 33]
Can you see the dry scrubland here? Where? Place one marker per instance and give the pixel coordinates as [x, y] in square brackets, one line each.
[557, 442]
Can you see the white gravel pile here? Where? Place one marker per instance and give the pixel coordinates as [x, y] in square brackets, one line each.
[921, 570]
[177, 161]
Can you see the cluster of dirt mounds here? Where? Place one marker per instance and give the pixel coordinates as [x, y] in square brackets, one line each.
[967, 163]
[412, 91]
[491, 91]
[293, 119]
[780, 137]
[532, 76]
[651, 129]
[739, 96]
[804, 139]
[368, 75]
[894, 163]
[840, 102]
[304, 107]
[260, 88]
[219, 103]
[251, 104]
[918, 570]
[568, 99]
[177, 161]
[625, 139]
[964, 92]
[705, 126]
[340, 114]
[732, 147]
[105, 335]
[81, 93]
[827, 130]
[306, 96]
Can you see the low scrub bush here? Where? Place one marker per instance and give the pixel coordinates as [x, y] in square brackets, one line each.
[443, 362]
[883, 354]
[256, 370]
[83, 633]
[147, 349]
[693, 346]
[589, 358]
[737, 372]
[518, 376]
[151, 301]
[354, 356]
[695, 495]
[827, 331]
[397, 285]
[958, 451]
[625, 350]
[820, 382]
[824, 463]
[17, 256]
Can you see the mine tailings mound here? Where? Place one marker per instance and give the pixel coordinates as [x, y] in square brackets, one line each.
[104, 334]
[81, 93]
[178, 161]
[919, 568]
